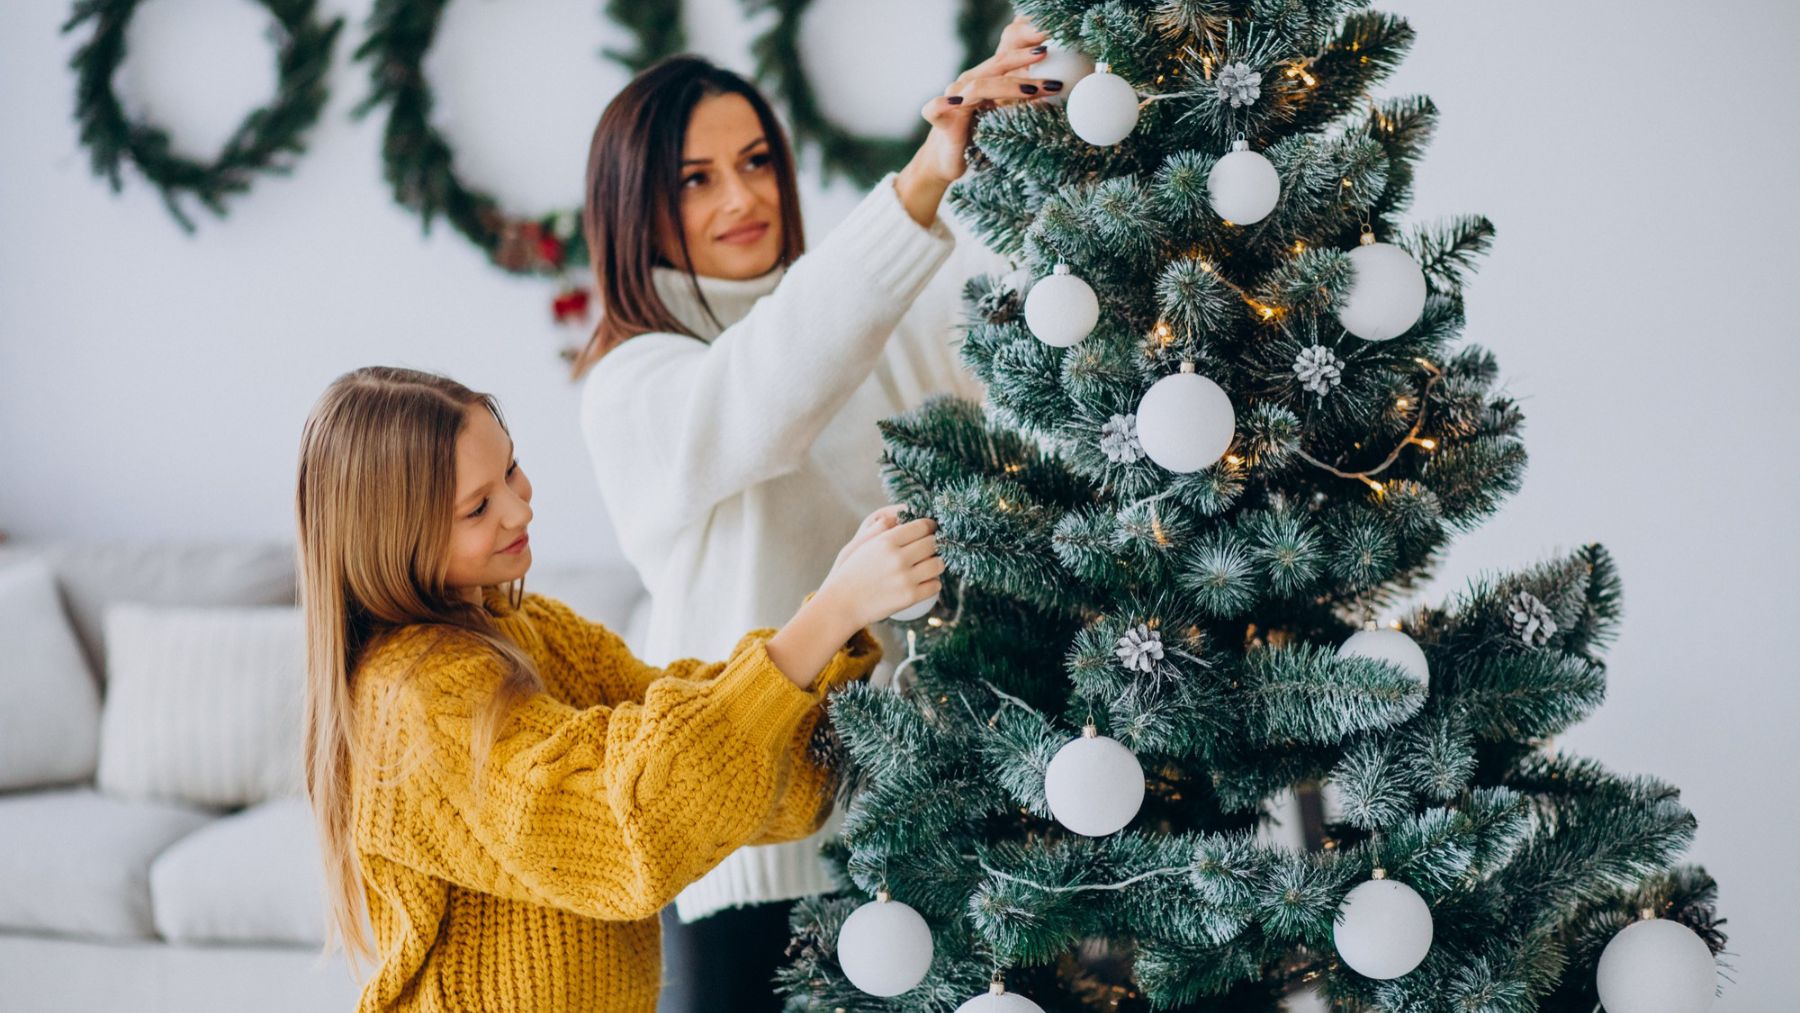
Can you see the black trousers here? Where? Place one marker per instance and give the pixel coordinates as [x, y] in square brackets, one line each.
[724, 963]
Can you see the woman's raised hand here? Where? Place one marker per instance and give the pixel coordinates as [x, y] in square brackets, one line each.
[992, 82]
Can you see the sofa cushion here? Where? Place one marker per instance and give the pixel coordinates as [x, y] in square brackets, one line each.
[203, 705]
[93, 575]
[252, 877]
[49, 705]
[76, 862]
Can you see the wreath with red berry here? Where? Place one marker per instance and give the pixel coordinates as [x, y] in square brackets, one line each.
[416, 158]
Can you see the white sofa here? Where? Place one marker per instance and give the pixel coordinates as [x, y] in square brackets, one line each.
[133, 875]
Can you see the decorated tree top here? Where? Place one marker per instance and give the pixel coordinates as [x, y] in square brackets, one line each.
[1232, 421]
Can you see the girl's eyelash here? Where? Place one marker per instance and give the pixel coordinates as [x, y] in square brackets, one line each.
[483, 507]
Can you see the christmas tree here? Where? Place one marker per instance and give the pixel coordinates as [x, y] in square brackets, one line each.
[1232, 422]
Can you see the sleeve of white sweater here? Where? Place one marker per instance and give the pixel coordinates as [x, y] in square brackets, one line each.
[684, 424]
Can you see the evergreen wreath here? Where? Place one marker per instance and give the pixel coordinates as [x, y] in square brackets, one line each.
[268, 140]
[417, 160]
[861, 157]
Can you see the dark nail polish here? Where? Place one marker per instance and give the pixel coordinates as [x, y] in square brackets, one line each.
[1040, 49]
[955, 100]
[1029, 89]
[1053, 86]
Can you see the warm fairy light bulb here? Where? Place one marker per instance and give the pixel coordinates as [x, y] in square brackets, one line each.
[1403, 402]
[1427, 444]
[1233, 459]
[1377, 486]
[1299, 246]
[934, 621]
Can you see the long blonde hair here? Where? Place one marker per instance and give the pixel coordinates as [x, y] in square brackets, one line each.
[373, 504]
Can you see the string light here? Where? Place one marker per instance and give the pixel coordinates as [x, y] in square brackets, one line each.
[1412, 437]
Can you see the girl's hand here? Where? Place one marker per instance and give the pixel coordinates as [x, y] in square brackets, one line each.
[888, 571]
[872, 525]
[993, 82]
[886, 567]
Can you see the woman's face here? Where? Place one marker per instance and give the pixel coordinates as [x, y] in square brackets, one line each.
[730, 200]
[492, 507]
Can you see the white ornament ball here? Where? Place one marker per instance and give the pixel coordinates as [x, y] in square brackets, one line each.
[1656, 966]
[884, 947]
[1391, 646]
[1094, 785]
[1383, 929]
[911, 612]
[1060, 63]
[1243, 186]
[1387, 293]
[1000, 1002]
[1061, 309]
[1185, 422]
[1102, 107]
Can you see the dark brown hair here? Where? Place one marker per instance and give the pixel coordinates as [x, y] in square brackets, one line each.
[634, 194]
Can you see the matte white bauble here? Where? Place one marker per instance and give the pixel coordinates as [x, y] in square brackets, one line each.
[1387, 292]
[1383, 929]
[1389, 645]
[1185, 421]
[884, 947]
[1243, 186]
[999, 1001]
[1656, 966]
[1061, 309]
[911, 612]
[1060, 63]
[1102, 107]
[1094, 784]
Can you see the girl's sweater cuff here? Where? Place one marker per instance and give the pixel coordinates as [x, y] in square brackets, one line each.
[762, 703]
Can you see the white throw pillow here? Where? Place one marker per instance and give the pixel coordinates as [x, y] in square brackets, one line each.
[203, 704]
[252, 877]
[49, 706]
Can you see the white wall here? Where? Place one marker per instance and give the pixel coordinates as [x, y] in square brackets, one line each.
[1637, 159]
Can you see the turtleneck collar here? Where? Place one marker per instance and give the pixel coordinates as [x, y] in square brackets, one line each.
[729, 298]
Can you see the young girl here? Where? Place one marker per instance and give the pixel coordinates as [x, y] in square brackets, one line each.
[512, 795]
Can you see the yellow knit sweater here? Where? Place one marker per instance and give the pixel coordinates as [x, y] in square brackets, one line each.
[603, 797]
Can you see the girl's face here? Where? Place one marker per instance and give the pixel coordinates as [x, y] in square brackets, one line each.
[730, 203]
[493, 505]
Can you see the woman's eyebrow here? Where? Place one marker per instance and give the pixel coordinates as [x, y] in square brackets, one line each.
[743, 150]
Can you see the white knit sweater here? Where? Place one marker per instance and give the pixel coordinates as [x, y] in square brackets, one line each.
[735, 467]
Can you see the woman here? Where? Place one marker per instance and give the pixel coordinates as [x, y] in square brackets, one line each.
[732, 389]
